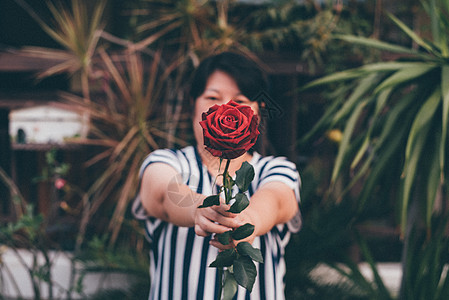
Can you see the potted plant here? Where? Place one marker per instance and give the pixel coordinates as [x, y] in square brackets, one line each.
[394, 119]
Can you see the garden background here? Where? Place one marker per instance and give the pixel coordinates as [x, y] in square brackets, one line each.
[359, 100]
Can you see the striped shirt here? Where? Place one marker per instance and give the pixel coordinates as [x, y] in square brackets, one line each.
[179, 259]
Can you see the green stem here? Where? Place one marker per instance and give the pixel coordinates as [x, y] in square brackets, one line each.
[226, 181]
[228, 196]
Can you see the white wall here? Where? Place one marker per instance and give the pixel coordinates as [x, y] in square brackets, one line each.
[15, 281]
[45, 124]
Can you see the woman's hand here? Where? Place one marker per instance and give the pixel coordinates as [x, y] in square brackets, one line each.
[274, 203]
[214, 219]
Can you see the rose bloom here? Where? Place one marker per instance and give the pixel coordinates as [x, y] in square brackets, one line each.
[60, 183]
[229, 130]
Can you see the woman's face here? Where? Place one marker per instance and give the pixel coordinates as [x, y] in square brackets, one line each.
[220, 88]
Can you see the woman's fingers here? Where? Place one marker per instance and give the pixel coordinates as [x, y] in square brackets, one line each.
[206, 228]
[207, 221]
[211, 220]
[223, 210]
[215, 219]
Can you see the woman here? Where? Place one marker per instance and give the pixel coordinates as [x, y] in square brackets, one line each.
[175, 182]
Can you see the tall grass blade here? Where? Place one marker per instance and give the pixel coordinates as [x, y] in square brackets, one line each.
[360, 91]
[381, 101]
[415, 143]
[337, 77]
[381, 291]
[325, 120]
[411, 165]
[422, 119]
[347, 134]
[416, 38]
[116, 76]
[359, 72]
[433, 180]
[372, 43]
[445, 117]
[389, 146]
[406, 74]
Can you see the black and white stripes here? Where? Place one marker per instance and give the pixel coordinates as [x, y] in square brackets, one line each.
[180, 259]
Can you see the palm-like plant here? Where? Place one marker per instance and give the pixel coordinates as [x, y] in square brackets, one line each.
[199, 27]
[175, 22]
[193, 29]
[126, 125]
[394, 117]
[128, 86]
[77, 31]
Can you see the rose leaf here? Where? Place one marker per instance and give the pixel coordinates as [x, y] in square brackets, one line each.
[224, 258]
[241, 202]
[244, 176]
[210, 201]
[245, 272]
[243, 231]
[230, 285]
[224, 238]
[246, 249]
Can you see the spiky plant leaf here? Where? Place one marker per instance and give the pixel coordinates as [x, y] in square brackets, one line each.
[399, 110]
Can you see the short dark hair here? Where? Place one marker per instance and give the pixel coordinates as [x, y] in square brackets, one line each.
[250, 78]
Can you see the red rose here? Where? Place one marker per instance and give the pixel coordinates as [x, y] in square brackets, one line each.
[229, 130]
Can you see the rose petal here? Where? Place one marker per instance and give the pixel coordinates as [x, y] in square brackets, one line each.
[229, 130]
